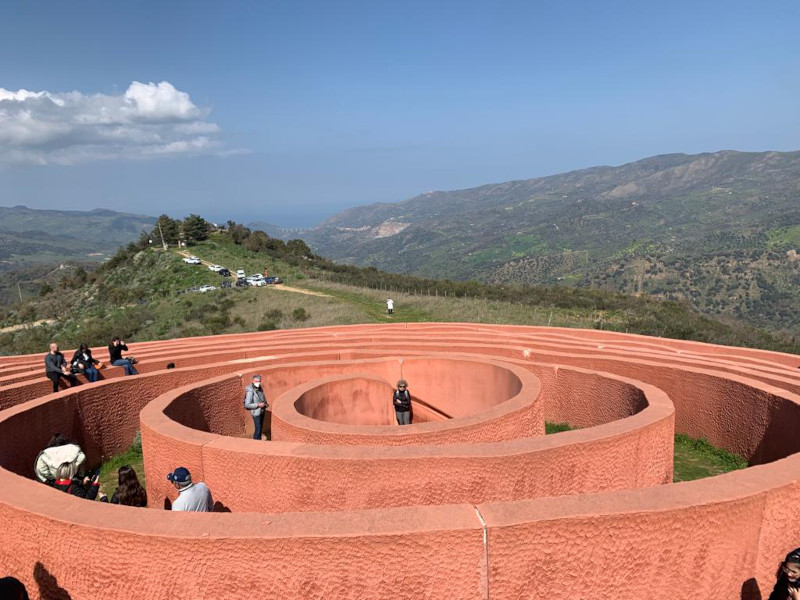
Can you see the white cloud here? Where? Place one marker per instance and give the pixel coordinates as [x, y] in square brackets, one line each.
[148, 120]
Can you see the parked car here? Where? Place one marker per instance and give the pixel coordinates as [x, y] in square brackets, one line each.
[256, 282]
[215, 268]
[224, 272]
[273, 280]
[241, 282]
[206, 288]
[240, 273]
[192, 260]
[227, 284]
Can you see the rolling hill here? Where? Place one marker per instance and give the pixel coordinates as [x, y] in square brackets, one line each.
[720, 230]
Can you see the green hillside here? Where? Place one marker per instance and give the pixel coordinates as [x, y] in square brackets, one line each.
[30, 237]
[141, 294]
[720, 231]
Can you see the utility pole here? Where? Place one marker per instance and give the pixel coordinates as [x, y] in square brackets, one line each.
[163, 243]
[19, 289]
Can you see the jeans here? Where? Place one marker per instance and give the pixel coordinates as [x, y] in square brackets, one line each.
[92, 374]
[126, 364]
[403, 417]
[55, 378]
[258, 422]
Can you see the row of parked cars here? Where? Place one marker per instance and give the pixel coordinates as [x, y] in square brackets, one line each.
[242, 280]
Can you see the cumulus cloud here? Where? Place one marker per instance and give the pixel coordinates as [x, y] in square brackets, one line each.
[148, 120]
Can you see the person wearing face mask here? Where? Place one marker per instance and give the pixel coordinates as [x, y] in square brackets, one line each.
[256, 402]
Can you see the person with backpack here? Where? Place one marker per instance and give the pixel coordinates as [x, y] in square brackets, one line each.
[401, 400]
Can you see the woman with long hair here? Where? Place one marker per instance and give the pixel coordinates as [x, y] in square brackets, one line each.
[82, 362]
[130, 492]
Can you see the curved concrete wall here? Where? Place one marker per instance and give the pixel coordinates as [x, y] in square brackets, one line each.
[717, 538]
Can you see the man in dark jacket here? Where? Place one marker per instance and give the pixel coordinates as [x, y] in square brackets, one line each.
[115, 349]
[56, 367]
[256, 402]
[402, 403]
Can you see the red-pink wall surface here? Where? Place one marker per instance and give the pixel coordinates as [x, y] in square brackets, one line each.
[576, 514]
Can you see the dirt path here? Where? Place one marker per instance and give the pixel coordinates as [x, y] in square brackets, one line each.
[280, 286]
[24, 325]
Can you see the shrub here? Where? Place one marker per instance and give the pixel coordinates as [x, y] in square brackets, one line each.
[300, 314]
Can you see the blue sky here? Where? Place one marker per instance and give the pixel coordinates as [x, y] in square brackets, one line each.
[289, 112]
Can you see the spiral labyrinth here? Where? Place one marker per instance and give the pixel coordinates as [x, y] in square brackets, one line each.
[471, 501]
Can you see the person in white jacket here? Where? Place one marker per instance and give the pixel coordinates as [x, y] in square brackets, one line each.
[59, 451]
[390, 306]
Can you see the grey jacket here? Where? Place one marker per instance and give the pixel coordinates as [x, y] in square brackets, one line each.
[252, 397]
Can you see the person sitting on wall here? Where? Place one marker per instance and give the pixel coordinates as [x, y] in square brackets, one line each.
[82, 362]
[56, 367]
[129, 492]
[402, 403]
[68, 481]
[788, 585]
[256, 402]
[115, 349]
[194, 497]
[59, 450]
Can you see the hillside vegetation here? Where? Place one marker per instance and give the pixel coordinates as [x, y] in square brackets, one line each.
[141, 295]
[30, 237]
[720, 231]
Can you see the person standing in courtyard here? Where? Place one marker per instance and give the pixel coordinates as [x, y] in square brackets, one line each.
[192, 497]
[402, 403]
[115, 350]
[256, 402]
[56, 367]
[390, 306]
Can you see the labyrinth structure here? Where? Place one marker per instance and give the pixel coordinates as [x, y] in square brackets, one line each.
[471, 501]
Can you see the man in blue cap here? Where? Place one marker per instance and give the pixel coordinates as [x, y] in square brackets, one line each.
[195, 497]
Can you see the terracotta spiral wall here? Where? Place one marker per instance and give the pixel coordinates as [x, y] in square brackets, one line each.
[471, 501]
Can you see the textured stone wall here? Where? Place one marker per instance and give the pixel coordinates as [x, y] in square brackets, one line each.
[480, 505]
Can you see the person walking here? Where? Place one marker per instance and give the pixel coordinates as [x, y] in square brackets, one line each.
[256, 402]
[390, 306]
[115, 349]
[402, 403]
[56, 368]
[192, 497]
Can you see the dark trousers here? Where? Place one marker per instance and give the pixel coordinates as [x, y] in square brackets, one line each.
[258, 422]
[403, 417]
[54, 376]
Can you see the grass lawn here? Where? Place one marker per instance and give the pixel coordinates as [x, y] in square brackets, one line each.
[693, 459]
[108, 471]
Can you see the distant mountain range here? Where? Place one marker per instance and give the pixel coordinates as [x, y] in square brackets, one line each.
[29, 237]
[720, 230]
